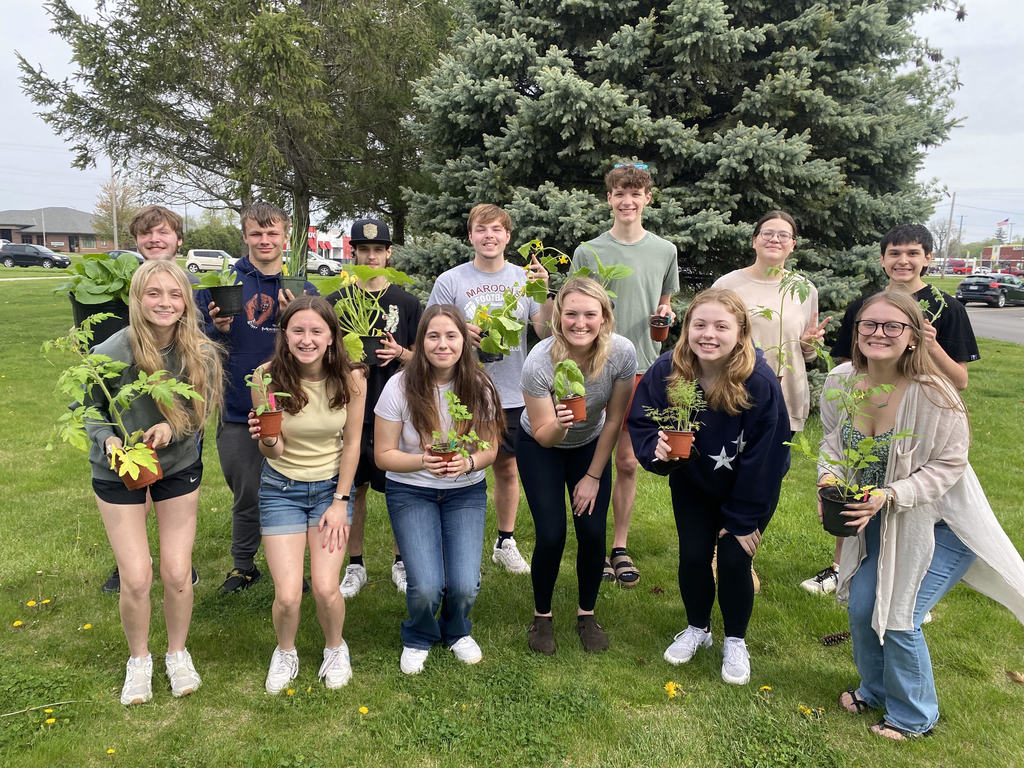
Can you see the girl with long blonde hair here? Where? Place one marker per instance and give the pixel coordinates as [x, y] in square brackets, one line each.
[726, 492]
[163, 335]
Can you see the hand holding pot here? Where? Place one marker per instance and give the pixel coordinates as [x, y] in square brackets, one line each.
[662, 449]
[390, 349]
[861, 512]
[435, 465]
[158, 436]
[564, 415]
[222, 324]
[254, 426]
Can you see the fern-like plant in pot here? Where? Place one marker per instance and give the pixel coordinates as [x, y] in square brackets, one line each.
[678, 420]
[92, 374]
[570, 389]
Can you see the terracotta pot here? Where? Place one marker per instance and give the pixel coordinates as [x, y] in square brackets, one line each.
[146, 477]
[779, 378]
[228, 299]
[659, 327]
[270, 423]
[833, 502]
[578, 405]
[444, 452]
[101, 331]
[488, 357]
[370, 346]
[679, 444]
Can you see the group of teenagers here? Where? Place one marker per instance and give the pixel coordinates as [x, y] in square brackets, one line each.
[349, 426]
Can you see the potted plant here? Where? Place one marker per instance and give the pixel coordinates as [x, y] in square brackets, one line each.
[659, 327]
[840, 475]
[99, 285]
[795, 286]
[135, 462]
[679, 418]
[447, 444]
[267, 411]
[293, 270]
[570, 389]
[225, 289]
[359, 311]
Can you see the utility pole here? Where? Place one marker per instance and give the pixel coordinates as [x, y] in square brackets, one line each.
[113, 201]
[949, 226]
[42, 212]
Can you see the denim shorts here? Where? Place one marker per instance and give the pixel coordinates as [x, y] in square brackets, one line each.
[293, 506]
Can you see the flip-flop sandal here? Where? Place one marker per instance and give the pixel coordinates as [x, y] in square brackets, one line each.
[625, 571]
[608, 574]
[859, 705]
[901, 734]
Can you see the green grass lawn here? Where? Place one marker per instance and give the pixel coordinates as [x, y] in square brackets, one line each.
[514, 708]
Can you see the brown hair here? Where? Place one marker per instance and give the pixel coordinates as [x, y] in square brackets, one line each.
[264, 214]
[153, 216]
[284, 368]
[597, 355]
[473, 387]
[786, 217]
[729, 392]
[485, 213]
[629, 177]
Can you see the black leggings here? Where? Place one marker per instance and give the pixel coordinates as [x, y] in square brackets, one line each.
[546, 474]
[698, 521]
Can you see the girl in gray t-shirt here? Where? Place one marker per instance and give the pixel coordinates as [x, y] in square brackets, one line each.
[556, 455]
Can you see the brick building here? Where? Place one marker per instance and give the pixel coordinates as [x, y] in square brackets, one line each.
[62, 229]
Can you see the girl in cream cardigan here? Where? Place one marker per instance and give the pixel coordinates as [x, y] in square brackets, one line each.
[928, 527]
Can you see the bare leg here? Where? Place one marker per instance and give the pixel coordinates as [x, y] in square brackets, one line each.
[176, 523]
[624, 490]
[506, 491]
[285, 555]
[126, 530]
[325, 573]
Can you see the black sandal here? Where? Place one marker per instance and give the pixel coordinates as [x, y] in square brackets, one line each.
[608, 574]
[902, 733]
[859, 705]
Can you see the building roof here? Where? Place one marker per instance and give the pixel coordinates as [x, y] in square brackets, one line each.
[58, 219]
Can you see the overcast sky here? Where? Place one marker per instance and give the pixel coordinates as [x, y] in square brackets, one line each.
[983, 162]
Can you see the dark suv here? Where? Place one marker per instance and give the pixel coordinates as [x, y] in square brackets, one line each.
[22, 255]
[994, 290]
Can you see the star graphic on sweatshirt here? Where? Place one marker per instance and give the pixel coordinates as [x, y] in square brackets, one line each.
[740, 443]
[723, 460]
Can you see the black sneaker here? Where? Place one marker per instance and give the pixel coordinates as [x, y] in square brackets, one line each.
[238, 579]
[195, 576]
[113, 584]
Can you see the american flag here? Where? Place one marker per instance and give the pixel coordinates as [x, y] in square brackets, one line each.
[1003, 223]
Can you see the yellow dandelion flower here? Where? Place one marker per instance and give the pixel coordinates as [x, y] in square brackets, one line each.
[111, 752]
[47, 711]
[18, 623]
[290, 692]
[670, 689]
[463, 707]
[766, 687]
[309, 688]
[363, 710]
[87, 626]
[50, 720]
[31, 603]
[46, 600]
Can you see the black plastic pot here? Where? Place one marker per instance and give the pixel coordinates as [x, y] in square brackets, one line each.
[370, 346]
[101, 331]
[488, 357]
[294, 284]
[228, 299]
[833, 502]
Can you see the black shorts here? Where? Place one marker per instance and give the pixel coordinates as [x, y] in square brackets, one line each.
[508, 437]
[367, 470]
[168, 487]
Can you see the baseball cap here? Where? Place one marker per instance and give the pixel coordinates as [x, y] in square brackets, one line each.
[370, 231]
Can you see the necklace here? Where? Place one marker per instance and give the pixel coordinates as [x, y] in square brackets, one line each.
[891, 391]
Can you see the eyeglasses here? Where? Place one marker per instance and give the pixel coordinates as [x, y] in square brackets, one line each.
[891, 330]
[641, 166]
[768, 235]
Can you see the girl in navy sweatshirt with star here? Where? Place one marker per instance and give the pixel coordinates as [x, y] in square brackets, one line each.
[725, 494]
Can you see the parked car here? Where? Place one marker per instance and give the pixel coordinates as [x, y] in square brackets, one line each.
[321, 266]
[199, 260]
[958, 267]
[138, 256]
[994, 290]
[23, 255]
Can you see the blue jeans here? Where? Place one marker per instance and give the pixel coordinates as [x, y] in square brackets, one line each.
[440, 533]
[897, 676]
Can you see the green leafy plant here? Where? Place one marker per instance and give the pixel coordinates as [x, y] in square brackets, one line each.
[359, 311]
[844, 471]
[604, 274]
[451, 440]
[222, 278]
[685, 401]
[97, 278]
[568, 380]
[92, 374]
[926, 306]
[259, 381]
[795, 286]
[298, 246]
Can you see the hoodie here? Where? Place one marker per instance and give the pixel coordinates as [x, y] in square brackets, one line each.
[250, 340]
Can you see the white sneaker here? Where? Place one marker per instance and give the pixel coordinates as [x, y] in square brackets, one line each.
[355, 579]
[927, 619]
[398, 576]
[735, 661]
[336, 670]
[182, 673]
[412, 660]
[466, 650]
[284, 666]
[824, 582]
[508, 557]
[138, 681]
[686, 643]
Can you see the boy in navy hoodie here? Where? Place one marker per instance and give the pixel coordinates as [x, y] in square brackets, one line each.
[249, 339]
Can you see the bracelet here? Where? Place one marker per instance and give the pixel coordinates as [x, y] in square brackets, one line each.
[270, 445]
[472, 464]
[341, 496]
[592, 477]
